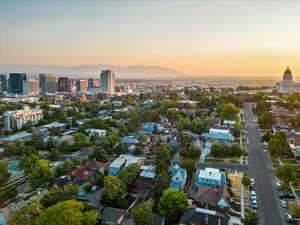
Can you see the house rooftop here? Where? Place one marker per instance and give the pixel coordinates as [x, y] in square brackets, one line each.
[16, 136]
[125, 160]
[210, 173]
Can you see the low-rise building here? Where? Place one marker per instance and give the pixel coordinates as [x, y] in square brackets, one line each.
[16, 137]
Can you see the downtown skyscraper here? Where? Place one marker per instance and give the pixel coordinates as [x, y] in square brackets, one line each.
[18, 83]
[107, 78]
[47, 83]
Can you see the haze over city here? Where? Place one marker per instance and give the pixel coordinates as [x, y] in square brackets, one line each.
[218, 37]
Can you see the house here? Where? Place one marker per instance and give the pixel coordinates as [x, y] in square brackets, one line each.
[112, 216]
[97, 132]
[80, 175]
[16, 137]
[148, 172]
[222, 136]
[210, 177]
[151, 127]
[178, 177]
[130, 140]
[199, 216]
[293, 137]
[229, 123]
[158, 220]
[123, 161]
[212, 197]
[61, 126]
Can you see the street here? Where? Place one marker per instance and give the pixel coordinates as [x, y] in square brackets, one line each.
[260, 168]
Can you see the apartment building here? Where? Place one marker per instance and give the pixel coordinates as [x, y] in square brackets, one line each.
[18, 118]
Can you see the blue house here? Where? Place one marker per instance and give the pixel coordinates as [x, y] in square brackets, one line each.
[150, 127]
[130, 140]
[210, 177]
[178, 177]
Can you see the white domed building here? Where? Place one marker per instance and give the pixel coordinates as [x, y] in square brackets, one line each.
[287, 85]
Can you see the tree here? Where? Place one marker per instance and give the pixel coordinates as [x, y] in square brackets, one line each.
[189, 165]
[246, 179]
[266, 120]
[4, 174]
[142, 215]
[287, 173]
[41, 174]
[235, 150]
[113, 187]
[57, 195]
[216, 150]
[250, 218]
[67, 213]
[54, 154]
[296, 212]
[129, 173]
[172, 204]
[161, 183]
[28, 162]
[228, 112]
[162, 156]
[100, 154]
[26, 215]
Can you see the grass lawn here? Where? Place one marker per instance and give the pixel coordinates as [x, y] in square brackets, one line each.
[235, 180]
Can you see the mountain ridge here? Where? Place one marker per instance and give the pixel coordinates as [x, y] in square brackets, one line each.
[122, 72]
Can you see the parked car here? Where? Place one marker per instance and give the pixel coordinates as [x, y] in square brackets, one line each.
[254, 204]
[289, 218]
[252, 182]
[278, 186]
[253, 195]
[286, 195]
[283, 203]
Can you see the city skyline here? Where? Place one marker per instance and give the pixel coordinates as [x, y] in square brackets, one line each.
[197, 38]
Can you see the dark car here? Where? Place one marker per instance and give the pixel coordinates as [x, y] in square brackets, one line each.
[286, 195]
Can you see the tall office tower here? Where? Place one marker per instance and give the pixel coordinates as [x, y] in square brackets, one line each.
[33, 87]
[64, 84]
[93, 83]
[18, 83]
[107, 78]
[47, 83]
[81, 85]
[3, 85]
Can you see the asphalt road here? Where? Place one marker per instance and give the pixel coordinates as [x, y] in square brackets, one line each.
[219, 165]
[260, 168]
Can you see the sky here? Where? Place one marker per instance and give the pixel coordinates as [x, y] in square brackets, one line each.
[200, 37]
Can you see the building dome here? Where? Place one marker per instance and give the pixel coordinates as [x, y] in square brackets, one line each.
[287, 75]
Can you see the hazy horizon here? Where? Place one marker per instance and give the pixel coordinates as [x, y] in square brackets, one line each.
[230, 38]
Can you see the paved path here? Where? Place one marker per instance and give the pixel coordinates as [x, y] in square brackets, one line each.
[261, 169]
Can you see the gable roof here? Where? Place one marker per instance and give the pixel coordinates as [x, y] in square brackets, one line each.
[201, 216]
[213, 196]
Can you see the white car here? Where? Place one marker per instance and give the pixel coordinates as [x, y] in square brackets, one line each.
[252, 182]
[283, 203]
[254, 204]
[253, 195]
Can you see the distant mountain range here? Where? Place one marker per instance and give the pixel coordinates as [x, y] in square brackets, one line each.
[122, 72]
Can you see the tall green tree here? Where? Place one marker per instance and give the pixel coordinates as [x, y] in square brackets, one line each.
[228, 112]
[172, 204]
[250, 218]
[69, 212]
[129, 173]
[26, 215]
[266, 120]
[4, 174]
[142, 215]
[41, 174]
[113, 187]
